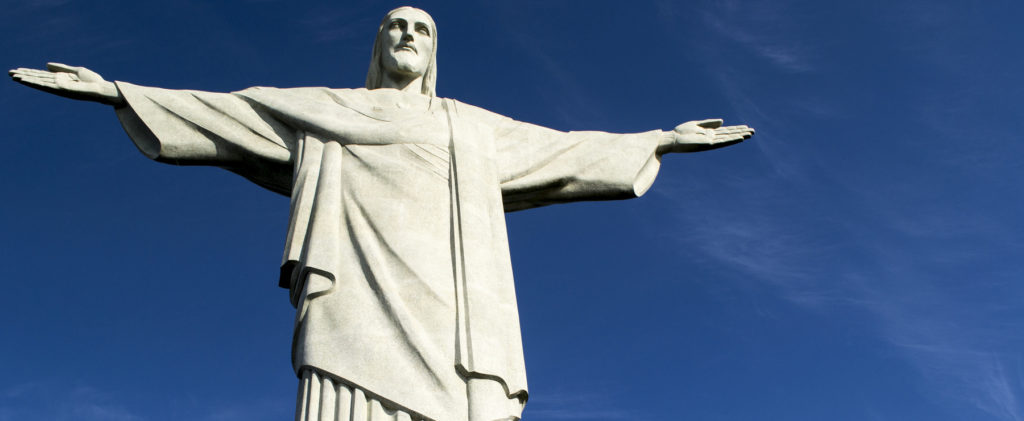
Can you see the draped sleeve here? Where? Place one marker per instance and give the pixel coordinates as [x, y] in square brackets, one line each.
[539, 166]
[226, 130]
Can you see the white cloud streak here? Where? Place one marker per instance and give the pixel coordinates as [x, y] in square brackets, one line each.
[575, 406]
[35, 400]
[56, 400]
[905, 241]
[947, 341]
[758, 27]
[960, 334]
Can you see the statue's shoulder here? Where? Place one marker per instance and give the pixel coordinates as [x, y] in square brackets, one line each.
[470, 110]
[312, 93]
[306, 90]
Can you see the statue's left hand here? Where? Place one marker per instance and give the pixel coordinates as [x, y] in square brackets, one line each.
[70, 82]
[703, 135]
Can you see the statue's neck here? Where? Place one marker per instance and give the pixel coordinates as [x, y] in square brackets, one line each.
[405, 83]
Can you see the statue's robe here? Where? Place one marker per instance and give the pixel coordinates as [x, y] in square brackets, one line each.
[396, 256]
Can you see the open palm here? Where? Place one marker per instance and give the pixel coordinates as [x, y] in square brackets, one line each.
[70, 82]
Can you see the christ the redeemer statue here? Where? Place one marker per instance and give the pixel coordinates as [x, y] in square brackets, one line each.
[396, 258]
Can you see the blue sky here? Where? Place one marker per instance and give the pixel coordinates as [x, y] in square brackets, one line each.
[860, 259]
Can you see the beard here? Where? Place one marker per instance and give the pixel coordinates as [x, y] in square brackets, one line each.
[405, 64]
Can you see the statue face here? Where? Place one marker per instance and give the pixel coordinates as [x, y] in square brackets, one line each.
[408, 43]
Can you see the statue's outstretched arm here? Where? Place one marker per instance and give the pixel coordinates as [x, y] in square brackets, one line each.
[541, 166]
[702, 135]
[70, 82]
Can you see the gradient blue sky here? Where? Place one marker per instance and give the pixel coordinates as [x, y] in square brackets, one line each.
[861, 259]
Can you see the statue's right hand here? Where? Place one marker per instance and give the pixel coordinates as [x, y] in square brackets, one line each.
[69, 82]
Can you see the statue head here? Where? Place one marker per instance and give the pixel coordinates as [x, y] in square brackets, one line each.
[406, 44]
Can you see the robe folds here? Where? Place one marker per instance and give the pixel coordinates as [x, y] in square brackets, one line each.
[396, 253]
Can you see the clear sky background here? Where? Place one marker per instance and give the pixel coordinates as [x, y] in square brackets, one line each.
[862, 258]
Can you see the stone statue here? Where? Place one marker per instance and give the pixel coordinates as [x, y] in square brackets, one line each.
[396, 257]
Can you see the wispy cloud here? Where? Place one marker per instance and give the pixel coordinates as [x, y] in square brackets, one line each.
[43, 4]
[749, 47]
[759, 27]
[571, 96]
[978, 377]
[933, 276]
[899, 254]
[561, 89]
[59, 400]
[250, 410]
[34, 400]
[744, 221]
[331, 26]
[45, 23]
[784, 54]
[575, 406]
[894, 248]
[959, 346]
[87, 403]
[580, 414]
[18, 390]
[958, 333]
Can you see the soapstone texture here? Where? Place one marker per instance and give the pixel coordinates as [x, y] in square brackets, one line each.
[396, 257]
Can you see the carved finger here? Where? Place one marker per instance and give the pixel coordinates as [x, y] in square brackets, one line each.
[35, 72]
[60, 67]
[685, 128]
[32, 79]
[739, 132]
[35, 83]
[47, 79]
[743, 129]
[711, 123]
[40, 77]
[23, 71]
[734, 129]
[738, 135]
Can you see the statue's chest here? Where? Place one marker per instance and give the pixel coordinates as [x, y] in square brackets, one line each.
[384, 118]
[421, 127]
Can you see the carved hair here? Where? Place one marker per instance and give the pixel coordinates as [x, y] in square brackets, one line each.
[375, 76]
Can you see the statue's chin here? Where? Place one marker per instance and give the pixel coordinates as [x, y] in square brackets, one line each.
[404, 66]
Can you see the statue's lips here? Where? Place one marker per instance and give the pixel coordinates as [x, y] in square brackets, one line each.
[406, 47]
